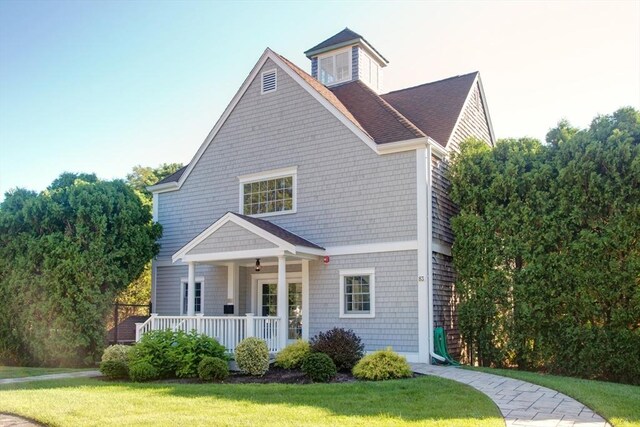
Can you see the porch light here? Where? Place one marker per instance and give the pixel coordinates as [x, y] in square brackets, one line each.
[258, 264]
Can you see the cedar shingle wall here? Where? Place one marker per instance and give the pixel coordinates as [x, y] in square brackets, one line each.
[473, 122]
[445, 301]
[442, 206]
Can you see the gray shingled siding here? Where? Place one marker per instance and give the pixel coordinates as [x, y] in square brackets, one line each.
[231, 237]
[314, 67]
[347, 194]
[245, 290]
[396, 302]
[355, 63]
[443, 209]
[473, 122]
[168, 288]
[445, 301]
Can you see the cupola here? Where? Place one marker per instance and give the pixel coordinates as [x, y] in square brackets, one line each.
[346, 57]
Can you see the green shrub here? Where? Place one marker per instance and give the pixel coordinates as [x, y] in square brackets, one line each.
[114, 369]
[175, 353]
[292, 356]
[252, 356]
[342, 346]
[143, 371]
[116, 352]
[213, 369]
[382, 365]
[319, 367]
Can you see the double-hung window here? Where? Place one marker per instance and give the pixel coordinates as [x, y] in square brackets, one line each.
[184, 306]
[268, 193]
[357, 293]
[335, 68]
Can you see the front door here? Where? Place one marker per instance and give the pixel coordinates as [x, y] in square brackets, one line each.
[268, 297]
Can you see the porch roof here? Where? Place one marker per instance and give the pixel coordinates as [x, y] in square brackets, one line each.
[235, 236]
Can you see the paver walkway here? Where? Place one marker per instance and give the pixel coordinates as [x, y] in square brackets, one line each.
[13, 421]
[522, 404]
[61, 376]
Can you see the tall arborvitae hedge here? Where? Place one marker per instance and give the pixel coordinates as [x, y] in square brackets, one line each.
[547, 250]
[64, 254]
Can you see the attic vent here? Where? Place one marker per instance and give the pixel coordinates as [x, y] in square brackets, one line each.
[269, 81]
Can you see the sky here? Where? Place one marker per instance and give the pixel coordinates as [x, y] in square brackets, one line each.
[102, 86]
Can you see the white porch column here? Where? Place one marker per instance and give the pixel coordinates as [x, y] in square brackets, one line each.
[305, 299]
[282, 301]
[233, 287]
[191, 294]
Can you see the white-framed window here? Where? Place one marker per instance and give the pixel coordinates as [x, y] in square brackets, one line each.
[357, 293]
[370, 70]
[269, 81]
[269, 193]
[184, 296]
[335, 67]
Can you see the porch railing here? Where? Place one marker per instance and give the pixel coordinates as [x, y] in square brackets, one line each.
[227, 330]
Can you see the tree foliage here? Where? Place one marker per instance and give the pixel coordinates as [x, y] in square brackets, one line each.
[64, 255]
[547, 249]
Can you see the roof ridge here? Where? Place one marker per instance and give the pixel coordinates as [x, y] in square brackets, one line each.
[401, 119]
[430, 83]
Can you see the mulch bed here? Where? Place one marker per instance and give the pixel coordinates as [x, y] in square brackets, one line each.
[273, 376]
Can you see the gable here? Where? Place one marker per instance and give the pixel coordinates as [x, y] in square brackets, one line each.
[229, 238]
[473, 121]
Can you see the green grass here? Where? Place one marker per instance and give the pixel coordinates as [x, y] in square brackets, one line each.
[618, 403]
[18, 371]
[423, 401]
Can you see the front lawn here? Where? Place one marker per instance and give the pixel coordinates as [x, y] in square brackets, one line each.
[424, 401]
[618, 403]
[19, 371]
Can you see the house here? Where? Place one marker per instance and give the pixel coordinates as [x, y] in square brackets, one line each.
[317, 200]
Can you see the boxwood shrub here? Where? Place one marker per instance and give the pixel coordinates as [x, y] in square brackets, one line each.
[319, 367]
[142, 370]
[252, 356]
[213, 369]
[114, 363]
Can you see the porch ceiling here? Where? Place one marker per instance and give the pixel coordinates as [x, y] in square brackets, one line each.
[238, 237]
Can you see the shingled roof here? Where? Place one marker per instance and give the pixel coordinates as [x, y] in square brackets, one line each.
[174, 177]
[434, 107]
[344, 37]
[278, 231]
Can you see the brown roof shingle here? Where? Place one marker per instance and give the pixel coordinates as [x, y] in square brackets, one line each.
[433, 107]
[380, 119]
[278, 231]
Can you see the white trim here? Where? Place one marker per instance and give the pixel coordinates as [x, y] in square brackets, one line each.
[255, 277]
[266, 175]
[441, 248]
[422, 188]
[412, 144]
[305, 300]
[184, 281]
[275, 88]
[154, 207]
[334, 53]
[267, 54]
[154, 276]
[370, 248]
[371, 272]
[231, 256]
[486, 110]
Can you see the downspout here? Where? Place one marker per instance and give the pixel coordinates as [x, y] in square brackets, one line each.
[432, 352]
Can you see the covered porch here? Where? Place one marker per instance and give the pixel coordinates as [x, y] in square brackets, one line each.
[267, 274]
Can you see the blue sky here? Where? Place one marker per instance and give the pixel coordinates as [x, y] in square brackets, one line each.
[103, 86]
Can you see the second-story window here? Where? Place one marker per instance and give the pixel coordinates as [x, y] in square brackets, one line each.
[268, 193]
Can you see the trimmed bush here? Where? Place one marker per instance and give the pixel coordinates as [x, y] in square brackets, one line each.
[252, 356]
[213, 369]
[319, 367]
[292, 356]
[343, 346]
[114, 369]
[382, 365]
[175, 354]
[143, 371]
[117, 352]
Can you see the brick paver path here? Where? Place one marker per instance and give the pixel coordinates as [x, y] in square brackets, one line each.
[522, 404]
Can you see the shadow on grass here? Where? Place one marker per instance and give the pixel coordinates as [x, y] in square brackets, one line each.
[418, 399]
